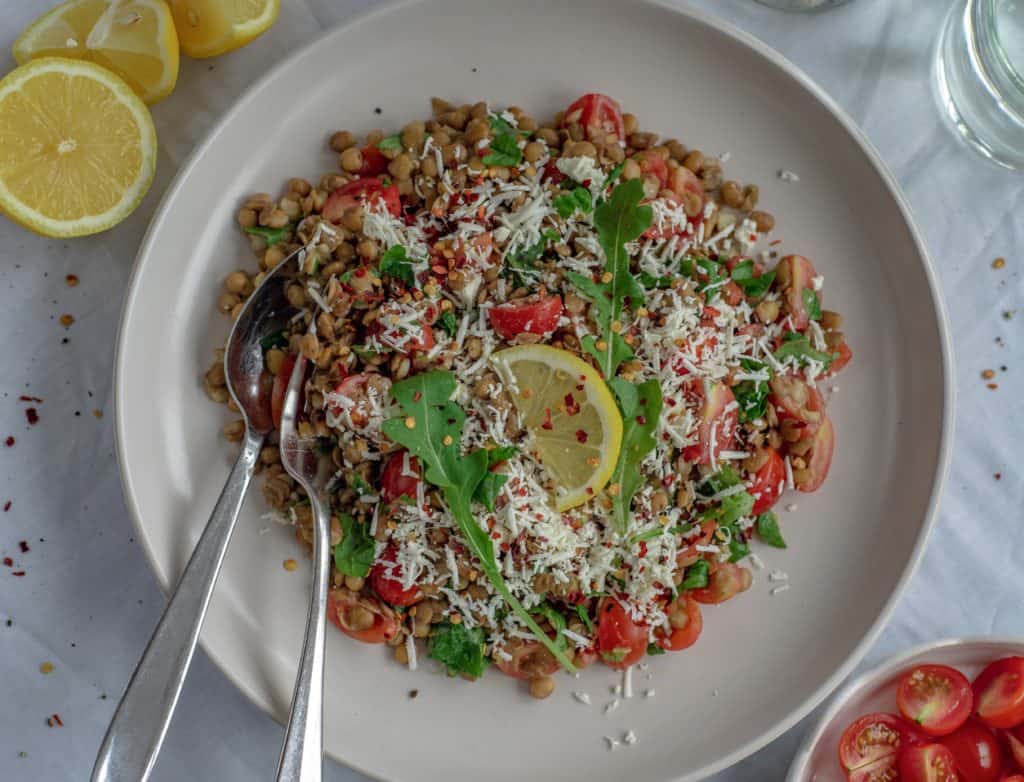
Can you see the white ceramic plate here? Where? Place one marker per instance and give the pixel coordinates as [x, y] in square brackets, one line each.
[817, 759]
[763, 661]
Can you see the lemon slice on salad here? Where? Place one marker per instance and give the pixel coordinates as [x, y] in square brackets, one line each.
[574, 424]
[78, 147]
[207, 28]
[134, 38]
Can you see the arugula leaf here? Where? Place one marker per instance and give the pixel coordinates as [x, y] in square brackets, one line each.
[811, 303]
[489, 488]
[613, 175]
[430, 426]
[395, 263]
[799, 347]
[752, 395]
[460, 649]
[504, 147]
[696, 576]
[271, 235]
[641, 407]
[449, 323]
[275, 340]
[522, 264]
[755, 287]
[619, 220]
[355, 554]
[654, 650]
[768, 530]
[390, 142]
[557, 622]
[650, 534]
[581, 612]
[578, 198]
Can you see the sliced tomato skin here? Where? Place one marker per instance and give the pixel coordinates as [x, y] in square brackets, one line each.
[530, 660]
[724, 583]
[394, 482]
[819, 458]
[797, 402]
[281, 380]
[999, 693]
[359, 191]
[936, 698]
[843, 357]
[533, 315]
[598, 114]
[794, 275]
[873, 738]
[621, 642]
[653, 164]
[386, 581]
[1015, 747]
[385, 625]
[374, 162]
[717, 423]
[927, 763]
[976, 752]
[769, 481]
[683, 637]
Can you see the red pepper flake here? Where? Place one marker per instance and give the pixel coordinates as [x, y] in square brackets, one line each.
[590, 490]
[547, 419]
[17, 573]
[643, 549]
[54, 720]
[417, 396]
[23, 546]
[67, 320]
[496, 535]
[641, 420]
[9, 442]
[25, 398]
[32, 415]
[998, 476]
[7, 506]
[572, 407]
[581, 436]
[71, 280]
[8, 562]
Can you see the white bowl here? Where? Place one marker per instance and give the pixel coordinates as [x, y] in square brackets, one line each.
[764, 661]
[817, 760]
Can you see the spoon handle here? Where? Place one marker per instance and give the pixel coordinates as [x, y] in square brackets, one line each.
[140, 723]
[302, 753]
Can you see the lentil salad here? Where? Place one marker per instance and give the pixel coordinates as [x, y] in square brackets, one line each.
[441, 258]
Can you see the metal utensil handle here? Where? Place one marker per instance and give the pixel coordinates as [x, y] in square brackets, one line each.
[140, 723]
[302, 753]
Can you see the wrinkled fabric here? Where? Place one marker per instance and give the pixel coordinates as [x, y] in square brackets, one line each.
[87, 602]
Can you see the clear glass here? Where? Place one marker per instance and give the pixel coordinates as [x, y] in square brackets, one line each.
[802, 5]
[979, 64]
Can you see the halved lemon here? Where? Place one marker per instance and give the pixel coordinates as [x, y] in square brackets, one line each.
[77, 147]
[134, 38]
[207, 28]
[574, 424]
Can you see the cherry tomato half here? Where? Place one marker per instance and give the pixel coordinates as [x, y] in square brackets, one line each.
[769, 480]
[686, 624]
[653, 164]
[716, 427]
[1015, 747]
[842, 358]
[818, 459]
[798, 404]
[927, 763]
[355, 193]
[530, 659]
[976, 752]
[362, 618]
[999, 693]
[794, 275]
[532, 315]
[870, 745]
[374, 162]
[727, 581]
[598, 114]
[621, 642]
[386, 580]
[937, 698]
[281, 379]
[400, 477]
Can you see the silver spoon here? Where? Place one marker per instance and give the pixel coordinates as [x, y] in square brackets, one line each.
[302, 754]
[140, 723]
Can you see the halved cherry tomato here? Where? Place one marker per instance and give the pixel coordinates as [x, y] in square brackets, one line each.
[374, 162]
[341, 605]
[690, 554]
[724, 583]
[530, 659]
[355, 193]
[937, 698]
[976, 752]
[585, 657]
[794, 275]
[358, 390]
[284, 374]
[598, 114]
[1015, 746]
[769, 481]
[393, 336]
[687, 623]
[869, 747]
[999, 693]
[1014, 778]
[395, 480]
[842, 358]
[797, 402]
[386, 580]
[654, 164]
[621, 642]
[716, 428]
[682, 181]
[928, 763]
[818, 459]
[533, 315]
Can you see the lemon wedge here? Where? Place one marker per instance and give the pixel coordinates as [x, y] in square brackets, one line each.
[207, 28]
[134, 38]
[574, 424]
[77, 147]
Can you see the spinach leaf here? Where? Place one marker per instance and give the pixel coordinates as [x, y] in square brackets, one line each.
[811, 303]
[696, 576]
[390, 142]
[395, 263]
[799, 347]
[272, 236]
[768, 530]
[449, 323]
[755, 287]
[459, 649]
[355, 554]
[653, 650]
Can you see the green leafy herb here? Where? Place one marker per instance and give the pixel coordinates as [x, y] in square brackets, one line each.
[460, 649]
[799, 347]
[355, 554]
[696, 576]
[390, 142]
[395, 263]
[711, 274]
[811, 303]
[654, 650]
[449, 323]
[647, 534]
[731, 508]
[578, 198]
[489, 488]
[738, 548]
[754, 286]
[364, 353]
[361, 486]
[618, 220]
[640, 406]
[557, 622]
[610, 180]
[521, 265]
[768, 530]
[271, 235]
[274, 340]
[430, 426]
[649, 281]
[752, 395]
[581, 612]
[504, 147]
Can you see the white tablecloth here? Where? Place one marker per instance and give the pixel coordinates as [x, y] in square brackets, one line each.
[87, 602]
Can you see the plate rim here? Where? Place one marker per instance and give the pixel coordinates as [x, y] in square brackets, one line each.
[799, 766]
[872, 155]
